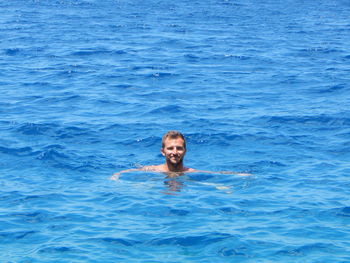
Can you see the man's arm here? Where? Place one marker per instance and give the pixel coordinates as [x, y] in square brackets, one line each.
[218, 172]
[116, 175]
[149, 168]
[158, 168]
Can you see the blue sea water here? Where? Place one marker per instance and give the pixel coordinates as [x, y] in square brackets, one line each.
[89, 87]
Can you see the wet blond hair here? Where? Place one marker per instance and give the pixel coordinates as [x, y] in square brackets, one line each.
[173, 135]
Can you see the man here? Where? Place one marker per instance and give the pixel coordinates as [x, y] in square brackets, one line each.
[174, 150]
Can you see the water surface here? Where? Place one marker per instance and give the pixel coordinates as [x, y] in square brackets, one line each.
[88, 88]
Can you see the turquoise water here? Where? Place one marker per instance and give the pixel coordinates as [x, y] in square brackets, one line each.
[89, 87]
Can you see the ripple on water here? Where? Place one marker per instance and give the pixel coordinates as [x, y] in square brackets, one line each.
[169, 109]
[339, 88]
[20, 151]
[189, 241]
[98, 52]
[12, 51]
[309, 250]
[345, 211]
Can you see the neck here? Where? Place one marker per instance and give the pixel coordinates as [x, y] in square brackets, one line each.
[174, 167]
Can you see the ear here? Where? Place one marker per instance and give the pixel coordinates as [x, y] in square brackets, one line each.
[162, 151]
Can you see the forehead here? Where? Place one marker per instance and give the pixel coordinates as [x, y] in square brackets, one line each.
[178, 141]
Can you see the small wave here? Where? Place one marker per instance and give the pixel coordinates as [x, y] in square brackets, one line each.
[231, 211]
[67, 97]
[345, 211]
[74, 131]
[178, 212]
[35, 128]
[92, 52]
[60, 249]
[52, 153]
[22, 151]
[43, 84]
[169, 109]
[124, 86]
[268, 163]
[321, 50]
[189, 241]
[17, 235]
[148, 141]
[118, 241]
[38, 216]
[42, 198]
[332, 89]
[212, 138]
[12, 51]
[306, 249]
[160, 75]
[232, 56]
[113, 127]
[230, 252]
[321, 119]
[192, 58]
[142, 68]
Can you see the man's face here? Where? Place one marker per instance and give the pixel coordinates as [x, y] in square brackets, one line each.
[174, 150]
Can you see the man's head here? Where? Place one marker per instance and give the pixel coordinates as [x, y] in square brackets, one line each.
[174, 147]
[173, 135]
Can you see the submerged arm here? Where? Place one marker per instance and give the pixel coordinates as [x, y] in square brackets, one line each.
[216, 185]
[150, 168]
[116, 175]
[220, 172]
